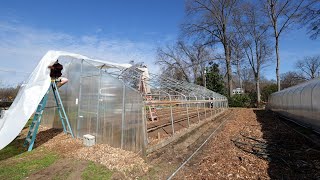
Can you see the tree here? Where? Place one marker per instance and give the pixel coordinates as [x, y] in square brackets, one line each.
[198, 57]
[291, 78]
[238, 56]
[311, 18]
[214, 79]
[9, 93]
[131, 76]
[267, 90]
[210, 20]
[251, 26]
[310, 66]
[247, 78]
[184, 62]
[173, 63]
[282, 14]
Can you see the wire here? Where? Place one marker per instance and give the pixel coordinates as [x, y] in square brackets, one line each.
[185, 162]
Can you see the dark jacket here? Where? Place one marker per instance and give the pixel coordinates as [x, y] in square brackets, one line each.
[56, 70]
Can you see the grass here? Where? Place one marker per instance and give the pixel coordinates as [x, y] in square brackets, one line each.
[17, 163]
[95, 171]
[11, 150]
[22, 165]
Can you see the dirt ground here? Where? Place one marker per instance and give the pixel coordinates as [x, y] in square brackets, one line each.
[75, 157]
[162, 127]
[63, 168]
[246, 144]
[253, 144]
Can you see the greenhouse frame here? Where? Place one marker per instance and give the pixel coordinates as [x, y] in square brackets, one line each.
[129, 108]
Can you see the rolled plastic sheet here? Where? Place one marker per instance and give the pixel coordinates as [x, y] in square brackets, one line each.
[31, 93]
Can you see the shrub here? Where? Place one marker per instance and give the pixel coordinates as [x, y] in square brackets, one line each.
[239, 100]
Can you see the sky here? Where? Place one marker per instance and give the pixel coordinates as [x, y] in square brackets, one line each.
[114, 30]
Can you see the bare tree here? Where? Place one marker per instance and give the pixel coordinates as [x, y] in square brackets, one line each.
[184, 62]
[311, 18]
[247, 78]
[238, 55]
[172, 63]
[252, 28]
[198, 57]
[210, 20]
[310, 66]
[291, 78]
[282, 14]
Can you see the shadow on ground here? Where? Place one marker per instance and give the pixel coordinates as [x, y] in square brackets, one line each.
[16, 146]
[45, 136]
[290, 154]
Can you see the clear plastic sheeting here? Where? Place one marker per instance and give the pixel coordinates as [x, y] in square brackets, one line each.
[33, 90]
[300, 103]
[99, 104]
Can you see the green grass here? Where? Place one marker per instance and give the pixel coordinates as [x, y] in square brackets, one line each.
[26, 163]
[94, 171]
[28, 123]
[11, 150]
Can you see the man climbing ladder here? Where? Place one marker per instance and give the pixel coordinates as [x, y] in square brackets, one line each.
[145, 89]
[56, 82]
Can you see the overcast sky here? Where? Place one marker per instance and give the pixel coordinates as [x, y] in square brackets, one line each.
[117, 31]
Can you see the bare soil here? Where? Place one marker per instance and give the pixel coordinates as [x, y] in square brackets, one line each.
[253, 144]
[246, 144]
[165, 160]
[62, 169]
[162, 127]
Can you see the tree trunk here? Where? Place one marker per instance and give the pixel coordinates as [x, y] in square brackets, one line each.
[257, 78]
[278, 64]
[239, 73]
[229, 71]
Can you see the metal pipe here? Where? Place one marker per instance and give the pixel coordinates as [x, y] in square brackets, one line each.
[80, 101]
[171, 115]
[123, 113]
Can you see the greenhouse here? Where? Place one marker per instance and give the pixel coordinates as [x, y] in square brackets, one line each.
[300, 103]
[127, 107]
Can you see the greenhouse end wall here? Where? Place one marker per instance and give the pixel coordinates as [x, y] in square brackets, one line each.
[99, 104]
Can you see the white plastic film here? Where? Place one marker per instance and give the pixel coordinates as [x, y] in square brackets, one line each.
[33, 91]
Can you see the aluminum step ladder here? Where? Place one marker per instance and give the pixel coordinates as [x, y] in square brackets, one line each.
[31, 136]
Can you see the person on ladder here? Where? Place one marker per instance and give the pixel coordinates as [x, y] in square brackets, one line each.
[55, 74]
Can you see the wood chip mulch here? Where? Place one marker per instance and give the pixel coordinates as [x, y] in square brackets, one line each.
[255, 145]
[113, 158]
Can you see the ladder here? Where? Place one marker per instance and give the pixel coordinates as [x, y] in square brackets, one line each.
[32, 133]
[152, 109]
